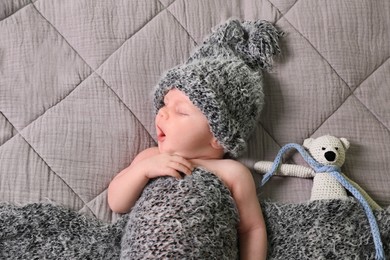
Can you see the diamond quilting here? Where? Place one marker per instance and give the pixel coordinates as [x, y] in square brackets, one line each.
[31, 180]
[98, 208]
[96, 29]
[66, 129]
[7, 130]
[166, 2]
[9, 7]
[286, 108]
[375, 91]
[129, 79]
[283, 5]
[87, 138]
[188, 13]
[354, 48]
[38, 67]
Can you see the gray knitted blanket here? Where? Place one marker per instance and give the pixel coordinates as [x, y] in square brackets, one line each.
[318, 230]
[328, 229]
[191, 218]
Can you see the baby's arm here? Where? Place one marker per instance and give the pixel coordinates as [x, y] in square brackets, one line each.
[292, 170]
[252, 230]
[125, 189]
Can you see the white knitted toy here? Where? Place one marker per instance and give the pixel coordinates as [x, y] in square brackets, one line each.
[327, 150]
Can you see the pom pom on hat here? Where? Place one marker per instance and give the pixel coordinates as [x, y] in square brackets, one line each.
[223, 78]
[254, 42]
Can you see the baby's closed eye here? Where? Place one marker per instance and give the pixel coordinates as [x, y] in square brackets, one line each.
[182, 111]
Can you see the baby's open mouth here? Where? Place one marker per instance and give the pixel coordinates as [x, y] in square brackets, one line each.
[160, 134]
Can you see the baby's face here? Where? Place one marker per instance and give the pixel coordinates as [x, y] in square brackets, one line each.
[182, 128]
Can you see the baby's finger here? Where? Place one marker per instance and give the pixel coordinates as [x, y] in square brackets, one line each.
[180, 167]
[167, 170]
[173, 173]
[184, 162]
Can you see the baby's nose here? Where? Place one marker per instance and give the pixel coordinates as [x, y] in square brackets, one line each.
[163, 113]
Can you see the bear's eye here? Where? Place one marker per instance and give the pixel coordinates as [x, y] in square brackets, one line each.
[323, 148]
[336, 148]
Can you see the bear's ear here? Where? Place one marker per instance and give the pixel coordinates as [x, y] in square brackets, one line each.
[345, 143]
[307, 142]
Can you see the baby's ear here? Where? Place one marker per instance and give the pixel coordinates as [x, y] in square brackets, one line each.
[215, 144]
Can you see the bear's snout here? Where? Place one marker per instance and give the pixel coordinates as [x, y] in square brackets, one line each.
[330, 156]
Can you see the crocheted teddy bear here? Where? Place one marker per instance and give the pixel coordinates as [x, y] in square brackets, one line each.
[329, 151]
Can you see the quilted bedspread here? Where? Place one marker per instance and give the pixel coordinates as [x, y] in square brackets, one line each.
[76, 79]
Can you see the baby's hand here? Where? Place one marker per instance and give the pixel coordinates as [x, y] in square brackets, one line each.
[167, 165]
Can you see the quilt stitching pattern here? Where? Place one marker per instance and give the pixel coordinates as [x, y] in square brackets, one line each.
[13, 128]
[93, 71]
[51, 170]
[319, 53]
[117, 92]
[43, 160]
[10, 14]
[32, 148]
[56, 174]
[188, 33]
[283, 16]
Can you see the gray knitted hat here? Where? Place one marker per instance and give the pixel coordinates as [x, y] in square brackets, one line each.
[223, 78]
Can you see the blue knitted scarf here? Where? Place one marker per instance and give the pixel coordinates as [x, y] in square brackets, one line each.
[336, 173]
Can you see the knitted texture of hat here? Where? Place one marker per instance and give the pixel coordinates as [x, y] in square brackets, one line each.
[223, 78]
[191, 218]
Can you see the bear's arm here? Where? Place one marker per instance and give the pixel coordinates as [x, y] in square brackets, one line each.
[292, 170]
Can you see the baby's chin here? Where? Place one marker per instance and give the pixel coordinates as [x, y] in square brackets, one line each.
[175, 152]
[163, 149]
